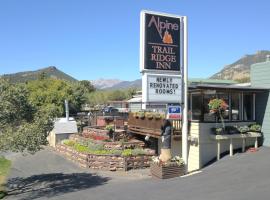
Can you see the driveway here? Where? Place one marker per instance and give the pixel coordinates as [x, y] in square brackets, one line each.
[46, 175]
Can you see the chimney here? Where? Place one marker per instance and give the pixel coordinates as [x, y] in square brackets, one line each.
[267, 58]
[67, 110]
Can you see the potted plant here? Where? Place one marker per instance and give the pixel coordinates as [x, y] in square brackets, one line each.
[255, 128]
[136, 115]
[243, 129]
[173, 168]
[110, 129]
[149, 115]
[141, 115]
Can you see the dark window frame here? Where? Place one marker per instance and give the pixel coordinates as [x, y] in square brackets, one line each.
[241, 110]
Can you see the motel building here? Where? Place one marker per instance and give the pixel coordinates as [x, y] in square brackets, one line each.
[248, 104]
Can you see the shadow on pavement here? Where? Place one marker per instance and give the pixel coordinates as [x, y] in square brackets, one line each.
[49, 185]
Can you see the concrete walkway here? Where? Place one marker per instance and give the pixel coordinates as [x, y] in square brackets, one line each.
[47, 175]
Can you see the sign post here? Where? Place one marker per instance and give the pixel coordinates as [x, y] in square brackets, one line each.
[163, 64]
[185, 105]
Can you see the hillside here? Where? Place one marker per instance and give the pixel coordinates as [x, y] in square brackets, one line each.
[51, 72]
[105, 83]
[240, 70]
[115, 84]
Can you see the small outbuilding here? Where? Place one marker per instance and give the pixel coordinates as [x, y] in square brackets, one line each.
[63, 128]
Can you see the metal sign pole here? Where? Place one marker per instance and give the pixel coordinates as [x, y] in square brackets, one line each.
[185, 107]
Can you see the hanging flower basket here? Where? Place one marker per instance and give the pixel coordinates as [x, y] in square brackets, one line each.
[218, 107]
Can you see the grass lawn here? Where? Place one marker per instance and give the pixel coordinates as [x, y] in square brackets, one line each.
[4, 169]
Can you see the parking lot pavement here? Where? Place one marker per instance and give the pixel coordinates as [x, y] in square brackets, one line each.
[50, 176]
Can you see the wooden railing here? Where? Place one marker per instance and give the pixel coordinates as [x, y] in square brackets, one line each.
[151, 127]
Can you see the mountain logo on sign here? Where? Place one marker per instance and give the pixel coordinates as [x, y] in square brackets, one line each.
[161, 26]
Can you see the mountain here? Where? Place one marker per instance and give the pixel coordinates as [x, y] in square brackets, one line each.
[240, 70]
[115, 84]
[105, 83]
[127, 84]
[51, 72]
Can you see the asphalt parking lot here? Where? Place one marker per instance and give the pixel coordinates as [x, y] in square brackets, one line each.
[47, 175]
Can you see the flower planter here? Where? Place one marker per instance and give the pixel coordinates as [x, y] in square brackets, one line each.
[167, 171]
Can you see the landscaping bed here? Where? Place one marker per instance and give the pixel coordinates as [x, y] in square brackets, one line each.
[94, 156]
[122, 144]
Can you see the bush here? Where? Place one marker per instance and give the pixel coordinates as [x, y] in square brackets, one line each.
[149, 115]
[70, 143]
[141, 115]
[95, 147]
[127, 152]
[137, 151]
[109, 128]
[243, 129]
[98, 149]
[255, 127]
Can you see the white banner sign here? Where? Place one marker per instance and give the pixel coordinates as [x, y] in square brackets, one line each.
[162, 88]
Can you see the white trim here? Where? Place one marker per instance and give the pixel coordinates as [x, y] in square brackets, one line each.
[242, 107]
[142, 39]
[185, 106]
[162, 13]
[142, 42]
[254, 106]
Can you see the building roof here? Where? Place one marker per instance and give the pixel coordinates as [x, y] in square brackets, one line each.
[228, 87]
[135, 99]
[210, 81]
[62, 126]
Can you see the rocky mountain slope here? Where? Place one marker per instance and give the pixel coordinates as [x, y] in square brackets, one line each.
[105, 83]
[51, 71]
[115, 84]
[240, 70]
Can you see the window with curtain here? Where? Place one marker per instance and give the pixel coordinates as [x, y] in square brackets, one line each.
[248, 106]
[196, 100]
[235, 106]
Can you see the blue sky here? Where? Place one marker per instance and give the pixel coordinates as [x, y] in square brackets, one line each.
[100, 39]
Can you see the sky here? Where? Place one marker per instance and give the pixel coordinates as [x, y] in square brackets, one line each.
[100, 39]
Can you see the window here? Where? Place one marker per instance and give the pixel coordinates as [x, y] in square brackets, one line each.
[196, 101]
[235, 106]
[248, 107]
[207, 116]
[241, 106]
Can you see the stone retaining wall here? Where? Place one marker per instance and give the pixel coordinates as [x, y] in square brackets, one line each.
[105, 162]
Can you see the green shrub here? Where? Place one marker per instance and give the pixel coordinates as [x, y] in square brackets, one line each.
[109, 128]
[141, 114]
[137, 151]
[81, 148]
[243, 129]
[70, 143]
[149, 115]
[117, 152]
[255, 127]
[127, 152]
[95, 147]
